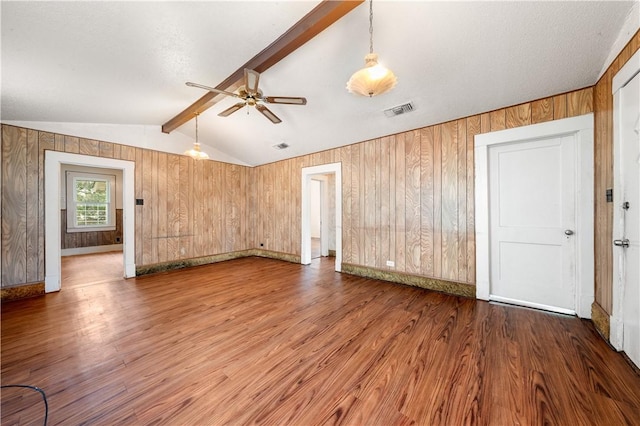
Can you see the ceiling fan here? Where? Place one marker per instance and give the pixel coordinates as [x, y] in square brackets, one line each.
[251, 95]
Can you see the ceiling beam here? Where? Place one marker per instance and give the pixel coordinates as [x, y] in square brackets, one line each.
[312, 24]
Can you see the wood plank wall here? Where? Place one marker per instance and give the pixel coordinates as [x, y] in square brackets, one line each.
[407, 197]
[603, 111]
[186, 214]
[71, 240]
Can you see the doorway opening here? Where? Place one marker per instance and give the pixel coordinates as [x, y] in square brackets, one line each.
[91, 225]
[317, 210]
[54, 162]
[322, 207]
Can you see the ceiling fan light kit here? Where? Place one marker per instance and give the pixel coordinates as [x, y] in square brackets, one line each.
[374, 79]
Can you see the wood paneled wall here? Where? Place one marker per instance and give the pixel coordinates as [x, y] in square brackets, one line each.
[71, 240]
[191, 209]
[603, 111]
[406, 197]
[22, 204]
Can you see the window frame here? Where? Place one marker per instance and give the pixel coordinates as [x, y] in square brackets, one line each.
[71, 204]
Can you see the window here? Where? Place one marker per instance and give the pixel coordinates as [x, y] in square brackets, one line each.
[89, 202]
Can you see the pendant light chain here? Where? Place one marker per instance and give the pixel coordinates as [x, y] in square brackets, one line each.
[195, 152]
[370, 26]
[197, 141]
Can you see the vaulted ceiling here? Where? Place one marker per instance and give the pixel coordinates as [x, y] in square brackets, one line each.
[83, 67]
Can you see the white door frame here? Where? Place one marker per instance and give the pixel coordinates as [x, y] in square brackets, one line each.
[622, 77]
[582, 128]
[53, 161]
[307, 173]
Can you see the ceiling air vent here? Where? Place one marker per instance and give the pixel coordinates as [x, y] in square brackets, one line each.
[281, 146]
[400, 109]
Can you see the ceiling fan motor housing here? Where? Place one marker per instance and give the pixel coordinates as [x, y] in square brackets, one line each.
[250, 98]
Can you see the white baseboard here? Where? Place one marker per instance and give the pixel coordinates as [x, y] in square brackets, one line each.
[90, 250]
[616, 336]
[51, 283]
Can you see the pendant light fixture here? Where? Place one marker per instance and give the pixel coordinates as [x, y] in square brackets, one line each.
[195, 152]
[374, 79]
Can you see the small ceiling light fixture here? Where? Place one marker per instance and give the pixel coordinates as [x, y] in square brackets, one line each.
[374, 79]
[195, 152]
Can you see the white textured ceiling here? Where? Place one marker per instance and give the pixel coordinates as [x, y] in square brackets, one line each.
[125, 63]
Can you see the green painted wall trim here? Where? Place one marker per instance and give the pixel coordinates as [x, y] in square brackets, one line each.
[187, 263]
[205, 260]
[8, 294]
[449, 287]
[287, 257]
[600, 320]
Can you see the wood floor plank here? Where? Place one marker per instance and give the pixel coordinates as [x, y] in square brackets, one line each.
[259, 341]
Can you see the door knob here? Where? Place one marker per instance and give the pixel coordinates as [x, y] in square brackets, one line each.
[568, 232]
[621, 243]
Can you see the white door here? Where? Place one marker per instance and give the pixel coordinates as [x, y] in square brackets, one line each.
[627, 216]
[532, 222]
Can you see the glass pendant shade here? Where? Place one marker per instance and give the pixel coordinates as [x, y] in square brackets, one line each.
[195, 153]
[374, 79]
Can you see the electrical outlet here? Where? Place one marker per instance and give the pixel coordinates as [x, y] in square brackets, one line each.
[391, 263]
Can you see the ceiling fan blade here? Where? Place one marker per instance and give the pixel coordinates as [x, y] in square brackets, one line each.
[227, 112]
[267, 113]
[251, 80]
[212, 89]
[285, 100]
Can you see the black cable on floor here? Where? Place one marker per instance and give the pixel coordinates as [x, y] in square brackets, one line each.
[37, 389]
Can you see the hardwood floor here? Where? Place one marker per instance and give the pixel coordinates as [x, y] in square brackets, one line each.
[316, 249]
[89, 269]
[262, 341]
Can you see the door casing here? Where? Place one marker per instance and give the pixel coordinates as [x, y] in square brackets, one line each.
[52, 171]
[582, 128]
